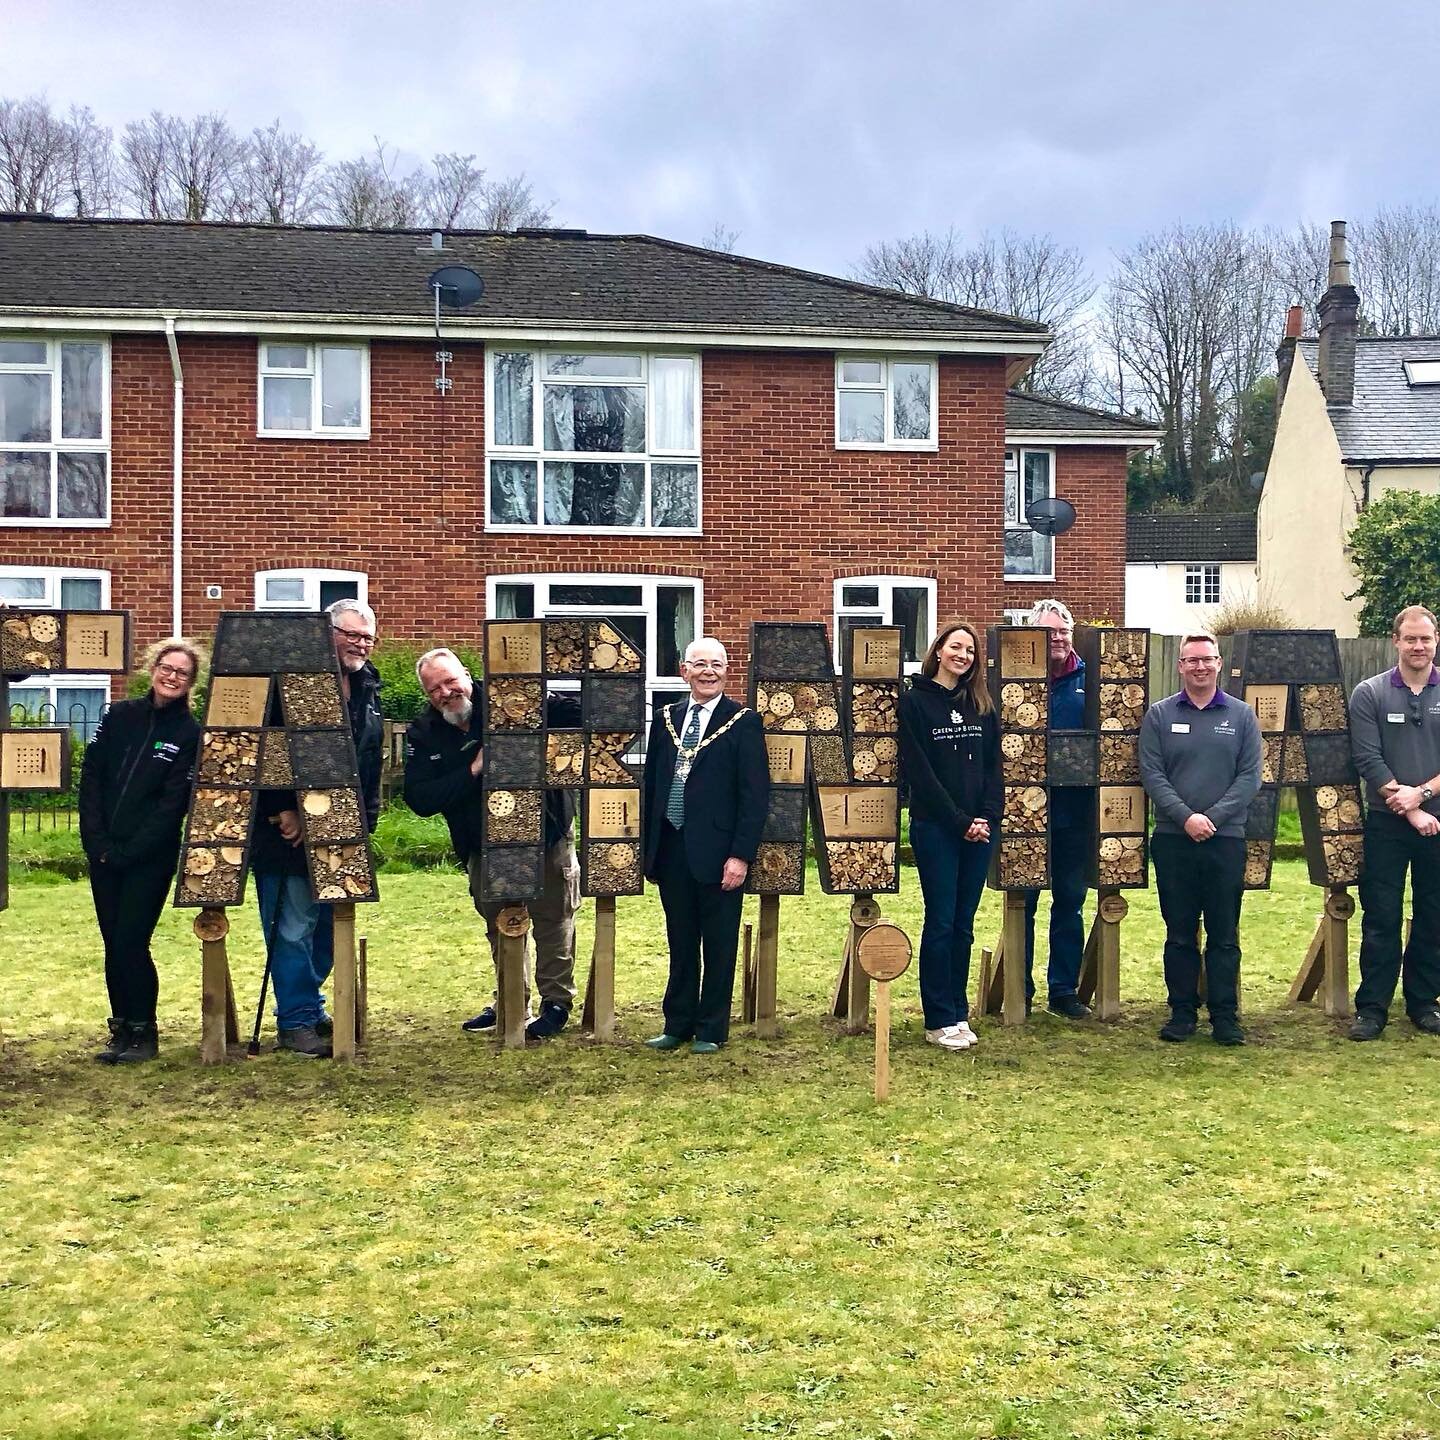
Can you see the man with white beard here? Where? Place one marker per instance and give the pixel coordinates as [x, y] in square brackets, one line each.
[443, 765]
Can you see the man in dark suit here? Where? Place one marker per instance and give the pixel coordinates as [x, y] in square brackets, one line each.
[707, 788]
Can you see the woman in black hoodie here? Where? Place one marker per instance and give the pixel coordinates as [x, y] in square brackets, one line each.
[950, 760]
[134, 791]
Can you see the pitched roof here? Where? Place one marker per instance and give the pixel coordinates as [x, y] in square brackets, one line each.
[1194, 539]
[1027, 414]
[535, 277]
[1390, 419]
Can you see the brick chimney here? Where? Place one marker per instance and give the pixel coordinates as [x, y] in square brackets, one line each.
[1339, 324]
[1285, 352]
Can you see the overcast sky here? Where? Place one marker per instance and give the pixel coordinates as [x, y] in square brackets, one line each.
[811, 128]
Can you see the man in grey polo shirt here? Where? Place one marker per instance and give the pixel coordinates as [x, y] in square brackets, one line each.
[1200, 763]
[1395, 734]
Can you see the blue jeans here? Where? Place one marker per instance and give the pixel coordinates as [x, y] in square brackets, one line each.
[304, 948]
[1070, 850]
[952, 877]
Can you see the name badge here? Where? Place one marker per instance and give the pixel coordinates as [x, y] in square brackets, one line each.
[1396, 719]
[1180, 728]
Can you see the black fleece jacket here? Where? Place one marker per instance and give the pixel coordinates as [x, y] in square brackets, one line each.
[949, 757]
[135, 784]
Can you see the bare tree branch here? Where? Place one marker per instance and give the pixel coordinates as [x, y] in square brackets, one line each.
[721, 238]
[280, 181]
[34, 143]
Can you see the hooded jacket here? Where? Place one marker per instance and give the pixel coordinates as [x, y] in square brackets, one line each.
[949, 757]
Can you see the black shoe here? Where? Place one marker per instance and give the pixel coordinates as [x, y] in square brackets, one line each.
[1367, 1026]
[1427, 1020]
[325, 1027]
[142, 1043]
[1072, 1007]
[550, 1021]
[1227, 1032]
[485, 1020]
[303, 1040]
[1177, 1028]
[119, 1039]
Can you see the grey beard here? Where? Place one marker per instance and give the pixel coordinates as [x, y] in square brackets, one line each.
[460, 719]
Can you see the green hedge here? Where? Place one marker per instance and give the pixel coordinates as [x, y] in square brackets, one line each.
[402, 698]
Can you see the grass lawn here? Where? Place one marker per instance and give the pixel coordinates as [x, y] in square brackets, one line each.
[1070, 1231]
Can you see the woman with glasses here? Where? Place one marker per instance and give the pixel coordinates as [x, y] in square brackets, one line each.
[134, 790]
[950, 763]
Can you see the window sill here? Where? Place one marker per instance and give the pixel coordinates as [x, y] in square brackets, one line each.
[898, 447]
[639, 532]
[1028, 579]
[19, 523]
[313, 434]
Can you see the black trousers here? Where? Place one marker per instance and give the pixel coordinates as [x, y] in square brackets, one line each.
[1392, 845]
[128, 906]
[698, 917]
[1201, 878]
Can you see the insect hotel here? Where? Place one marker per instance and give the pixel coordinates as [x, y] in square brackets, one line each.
[275, 720]
[524, 757]
[1293, 681]
[48, 642]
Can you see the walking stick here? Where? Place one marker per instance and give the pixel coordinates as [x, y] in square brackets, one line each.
[254, 1047]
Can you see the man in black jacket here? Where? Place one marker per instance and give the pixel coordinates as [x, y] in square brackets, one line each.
[707, 788]
[443, 765]
[303, 951]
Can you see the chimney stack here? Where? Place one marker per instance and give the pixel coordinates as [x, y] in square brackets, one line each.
[1339, 324]
[1285, 352]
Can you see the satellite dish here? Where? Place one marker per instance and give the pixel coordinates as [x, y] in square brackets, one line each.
[1050, 517]
[456, 286]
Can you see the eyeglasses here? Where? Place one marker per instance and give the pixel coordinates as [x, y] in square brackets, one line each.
[174, 672]
[355, 637]
[715, 666]
[1201, 660]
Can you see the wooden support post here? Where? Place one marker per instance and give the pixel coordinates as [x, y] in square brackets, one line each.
[598, 1015]
[216, 997]
[882, 1039]
[1012, 1007]
[344, 979]
[767, 964]
[232, 1020]
[992, 979]
[747, 977]
[1109, 912]
[851, 1000]
[1325, 970]
[883, 953]
[511, 941]
[362, 992]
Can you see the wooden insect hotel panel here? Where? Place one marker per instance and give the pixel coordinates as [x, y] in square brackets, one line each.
[35, 759]
[1117, 695]
[50, 642]
[1017, 671]
[1294, 682]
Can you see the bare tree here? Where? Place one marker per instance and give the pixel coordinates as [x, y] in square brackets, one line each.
[1031, 276]
[369, 194]
[454, 195]
[33, 146]
[1301, 258]
[510, 204]
[280, 180]
[178, 169]
[89, 164]
[721, 238]
[1397, 269]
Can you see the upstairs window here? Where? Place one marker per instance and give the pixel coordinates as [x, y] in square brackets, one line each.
[54, 431]
[307, 589]
[320, 390]
[593, 440]
[1029, 476]
[885, 403]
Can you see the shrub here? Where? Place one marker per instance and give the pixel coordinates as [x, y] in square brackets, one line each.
[1258, 614]
[402, 698]
[1395, 549]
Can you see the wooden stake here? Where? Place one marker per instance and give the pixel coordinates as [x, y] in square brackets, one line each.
[1326, 967]
[1012, 1008]
[362, 993]
[882, 1039]
[992, 979]
[747, 979]
[851, 999]
[232, 1021]
[216, 996]
[599, 1013]
[344, 978]
[512, 939]
[767, 964]
[883, 953]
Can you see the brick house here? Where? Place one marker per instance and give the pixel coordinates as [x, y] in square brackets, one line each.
[196, 417]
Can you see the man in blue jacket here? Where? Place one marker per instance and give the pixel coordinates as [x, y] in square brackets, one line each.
[1072, 823]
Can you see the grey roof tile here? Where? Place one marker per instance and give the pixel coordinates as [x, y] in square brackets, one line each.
[1194, 539]
[1390, 419]
[1042, 415]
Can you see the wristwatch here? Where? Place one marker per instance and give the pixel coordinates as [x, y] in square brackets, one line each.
[1426, 793]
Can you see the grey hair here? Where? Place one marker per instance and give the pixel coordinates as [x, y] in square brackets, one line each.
[441, 652]
[1042, 608]
[707, 640]
[350, 607]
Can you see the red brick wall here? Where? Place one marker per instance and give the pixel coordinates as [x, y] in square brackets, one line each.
[784, 512]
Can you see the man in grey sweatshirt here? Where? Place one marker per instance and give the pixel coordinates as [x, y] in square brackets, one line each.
[1200, 764]
[1395, 734]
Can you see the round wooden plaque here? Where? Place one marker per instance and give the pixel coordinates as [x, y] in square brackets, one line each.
[513, 920]
[211, 925]
[884, 952]
[1340, 906]
[1113, 908]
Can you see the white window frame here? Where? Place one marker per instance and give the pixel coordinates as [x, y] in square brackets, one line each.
[886, 585]
[649, 607]
[52, 575]
[314, 373]
[536, 453]
[1422, 372]
[311, 578]
[890, 442]
[1016, 614]
[1017, 522]
[1203, 573]
[57, 443]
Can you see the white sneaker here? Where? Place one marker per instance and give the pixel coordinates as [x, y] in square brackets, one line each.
[947, 1037]
[966, 1035]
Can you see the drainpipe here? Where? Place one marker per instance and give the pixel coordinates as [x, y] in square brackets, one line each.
[177, 483]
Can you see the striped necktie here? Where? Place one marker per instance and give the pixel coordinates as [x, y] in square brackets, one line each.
[684, 757]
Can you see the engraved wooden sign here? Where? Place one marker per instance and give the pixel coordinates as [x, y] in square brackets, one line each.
[884, 951]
